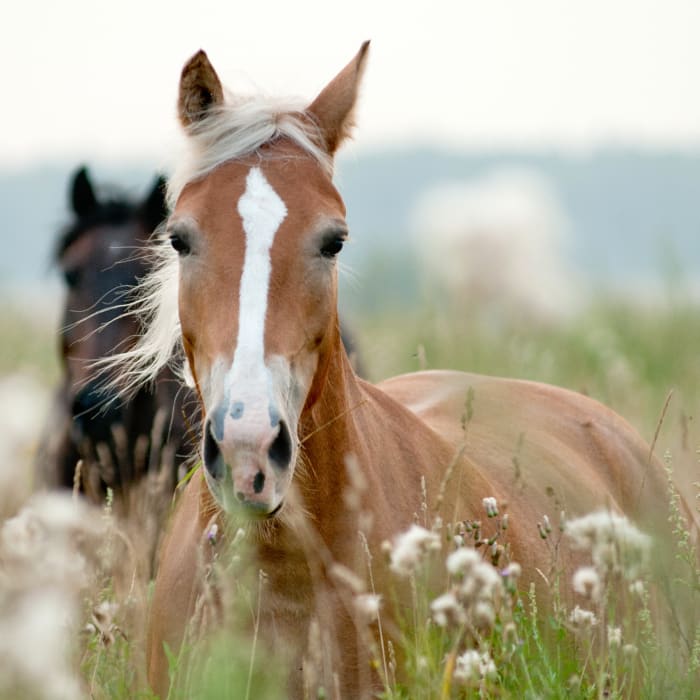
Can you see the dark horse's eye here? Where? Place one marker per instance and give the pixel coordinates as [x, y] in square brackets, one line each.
[179, 243]
[332, 247]
[71, 277]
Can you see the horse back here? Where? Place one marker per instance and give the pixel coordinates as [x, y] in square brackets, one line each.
[542, 448]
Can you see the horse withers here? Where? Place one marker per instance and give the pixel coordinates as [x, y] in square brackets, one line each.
[246, 284]
[101, 258]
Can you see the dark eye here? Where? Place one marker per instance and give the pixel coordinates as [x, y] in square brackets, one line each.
[72, 277]
[332, 247]
[179, 244]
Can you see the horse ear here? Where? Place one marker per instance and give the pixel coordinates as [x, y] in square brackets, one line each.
[333, 108]
[154, 207]
[83, 197]
[200, 89]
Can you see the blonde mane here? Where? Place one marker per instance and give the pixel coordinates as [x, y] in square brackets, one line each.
[237, 129]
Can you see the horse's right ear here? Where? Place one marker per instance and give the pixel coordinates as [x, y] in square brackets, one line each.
[200, 89]
[83, 197]
[333, 109]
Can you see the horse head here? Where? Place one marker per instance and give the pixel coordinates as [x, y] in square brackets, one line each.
[257, 226]
[100, 259]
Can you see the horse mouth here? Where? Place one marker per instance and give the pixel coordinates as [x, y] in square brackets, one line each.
[276, 510]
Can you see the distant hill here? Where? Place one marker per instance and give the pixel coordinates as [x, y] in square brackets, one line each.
[634, 214]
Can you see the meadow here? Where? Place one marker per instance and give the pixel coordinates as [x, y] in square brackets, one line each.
[75, 581]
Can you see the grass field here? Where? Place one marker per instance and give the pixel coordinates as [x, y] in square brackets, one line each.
[503, 643]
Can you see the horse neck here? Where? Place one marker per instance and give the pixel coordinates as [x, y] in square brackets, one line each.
[344, 431]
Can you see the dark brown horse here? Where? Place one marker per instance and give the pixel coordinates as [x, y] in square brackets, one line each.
[101, 258]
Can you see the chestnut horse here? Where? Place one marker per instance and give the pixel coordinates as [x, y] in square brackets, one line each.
[101, 258]
[102, 255]
[247, 284]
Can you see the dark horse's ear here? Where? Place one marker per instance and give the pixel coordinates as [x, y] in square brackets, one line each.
[333, 108]
[154, 207]
[200, 89]
[83, 197]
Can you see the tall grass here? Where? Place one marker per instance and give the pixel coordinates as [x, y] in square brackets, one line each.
[606, 640]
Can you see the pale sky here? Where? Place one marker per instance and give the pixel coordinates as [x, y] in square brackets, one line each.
[94, 80]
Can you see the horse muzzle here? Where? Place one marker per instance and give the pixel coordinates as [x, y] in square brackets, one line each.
[94, 415]
[248, 463]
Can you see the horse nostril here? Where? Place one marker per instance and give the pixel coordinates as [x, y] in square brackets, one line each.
[259, 482]
[212, 453]
[280, 451]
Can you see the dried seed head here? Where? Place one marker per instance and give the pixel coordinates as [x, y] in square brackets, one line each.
[367, 606]
[583, 619]
[614, 637]
[447, 610]
[586, 582]
[616, 545]
[472, 667]
[410, 547]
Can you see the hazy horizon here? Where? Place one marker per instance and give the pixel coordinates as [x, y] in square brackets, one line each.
[97, 82]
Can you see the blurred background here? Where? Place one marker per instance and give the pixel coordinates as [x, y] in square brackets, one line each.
[523, 191]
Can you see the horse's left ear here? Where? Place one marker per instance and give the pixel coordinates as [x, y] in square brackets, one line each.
[154, 207]
[333, 108]
[82, 195]
[200, 89]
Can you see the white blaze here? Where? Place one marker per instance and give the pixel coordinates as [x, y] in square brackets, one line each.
[262, 212]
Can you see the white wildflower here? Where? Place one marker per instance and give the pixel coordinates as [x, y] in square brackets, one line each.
[483, 614]
[462, 561]
[409, 548]
[614, 637]
[488, 580]
[614, 542]
[586, 581]
[56, 531]
[367, 606]
[479, 579]
[103, 621]
[49, 554]
[583, 618]
[471, 667]
[474, 596]
[213, 533]
[637, 587]
[512, 570]
[36, 629]
[447, 609]
[490, 506]
[629, 650]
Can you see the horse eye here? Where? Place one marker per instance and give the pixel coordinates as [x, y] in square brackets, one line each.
[332, 247]
[179, 244]
[71, 277]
